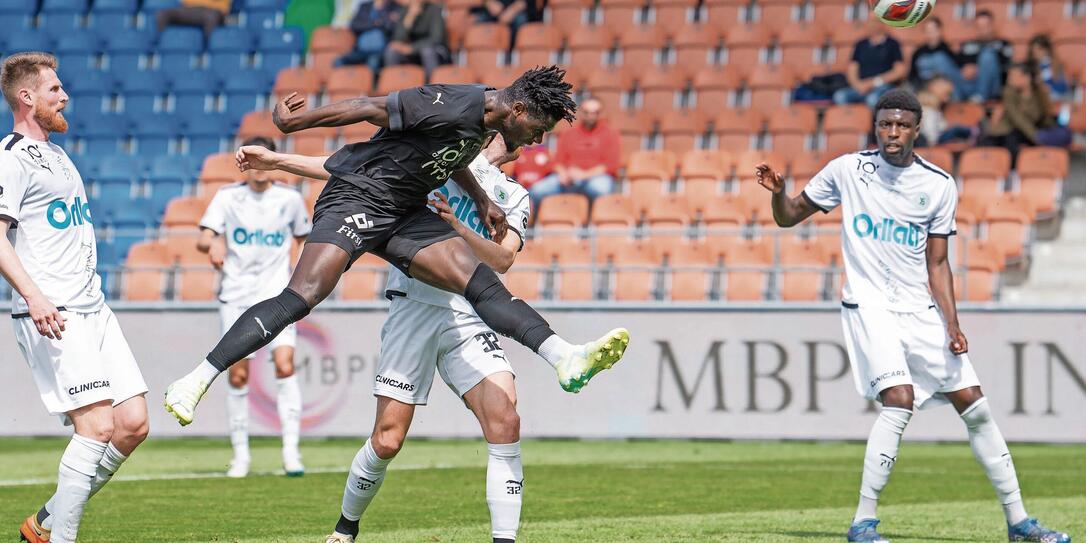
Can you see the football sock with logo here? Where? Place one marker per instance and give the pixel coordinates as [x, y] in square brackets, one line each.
[990, 450]
[78, 468]
[507, 316]
[257, 327]
[882, 446]
[363, 482]
[110, 463]
[504, 485]
[237, 414]
[289, 404]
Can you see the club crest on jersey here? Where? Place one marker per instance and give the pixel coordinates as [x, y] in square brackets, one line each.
[886, 230]
[61, 216]
[501, 195]
[922, 200]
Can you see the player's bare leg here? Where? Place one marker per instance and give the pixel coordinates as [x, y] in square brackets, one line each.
[494, 402]
[991, 452]
[289, 404]
[316, 275]
[452, 266]
[369, 465]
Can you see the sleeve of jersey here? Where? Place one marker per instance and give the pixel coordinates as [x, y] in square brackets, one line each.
[421, 109]
[518, 214]
[944, 223]
[214, 218]
[822, 191]
[13, 185]
[301, 223]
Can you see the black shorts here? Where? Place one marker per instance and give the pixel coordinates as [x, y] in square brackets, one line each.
[343, 218]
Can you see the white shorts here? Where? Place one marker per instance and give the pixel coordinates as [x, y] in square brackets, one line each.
[229, 313]
[90, 363]
[888, 349]
[418, 337]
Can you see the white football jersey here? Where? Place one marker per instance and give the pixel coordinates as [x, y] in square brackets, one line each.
[43, 197]
[508, 194]
[259, 228]
[888, 215]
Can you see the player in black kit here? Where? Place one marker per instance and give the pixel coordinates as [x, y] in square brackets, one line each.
[375, 201]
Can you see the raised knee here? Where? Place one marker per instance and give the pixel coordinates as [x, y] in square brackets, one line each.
[387, 444]
[899, 396]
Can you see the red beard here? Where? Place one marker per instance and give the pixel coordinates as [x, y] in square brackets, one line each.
[51, 121]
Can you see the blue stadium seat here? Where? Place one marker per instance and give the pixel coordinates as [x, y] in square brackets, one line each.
[111, 16]
[172, 169]
[151, 6]
[280, 48]
[90, 91]
[61, 16]
[64, 6]
[130, 224]
[120, 168]
[260, 14]
[178, 47]
[87, 166]
[108, 256]
[104, 136]
[115, 6]
[127, 51]
[78, 49]
[229, 50]
[194, 92]
[156, 134]
[209, 134]
[245, 92]
[19, 42]
[144, 93]
[24, 7]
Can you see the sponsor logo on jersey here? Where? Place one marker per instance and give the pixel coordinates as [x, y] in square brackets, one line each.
[259, 238]
[466, 211]
[886, 230]
[60, 215]
[408, 387]
[351, 235]
[87, 386]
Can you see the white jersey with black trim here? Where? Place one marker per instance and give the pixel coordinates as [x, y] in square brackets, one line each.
[259, 228]
[888, 214]
[43, 197]
[507, 193]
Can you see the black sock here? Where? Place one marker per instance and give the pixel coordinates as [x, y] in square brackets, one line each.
[503, 540]
[257, 327]
[506, 316]
[42, 515]
[347, 527]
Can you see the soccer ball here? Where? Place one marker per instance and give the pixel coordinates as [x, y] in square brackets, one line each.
[902, 13]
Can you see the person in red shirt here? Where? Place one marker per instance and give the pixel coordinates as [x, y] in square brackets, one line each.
[587, 158]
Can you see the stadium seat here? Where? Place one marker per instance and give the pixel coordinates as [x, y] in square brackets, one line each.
[313, 142]
[938, 156]
[668, 217]
[990, 162]
[156, 134]
[574, 280]
[348, 82]
[399, 77]
[359, 132]
[526, 279]
[792, 130]
[633, 266]
[105, 136]
[143, 94]
[21, 7]
[723, 215]
[175, 169]
[689, 272]
[208, 133]
[304, 81]
[800, 44]
[177, 49]
[193, 93]
[683, 131]
[1009, 225]
[725, 13]
[976, 285]
[672, 16]
[244, 92]
[562, 211]
[610, 87]
[1043, 162]
[184, 212]
[568, 15]
[770, 88]
[656, 165]
[229, 49]
[453, 75]
[360, 282]
[613, 211]
[144, 278]
[802, 278]
[775, 11]
[485, 45]
[745, 265]
[659, 89]
[641, 46]
[737, 130]
[964, 114]
[500, 76]
[197, 283]
[261, 14]
[695, 47]
[219, 167]
[21, 42]
[745, 46]
[111, 16]
[537, 44]
[700, 164]
[258, 123]
[589, 48]
[80, 48]
[279, 48]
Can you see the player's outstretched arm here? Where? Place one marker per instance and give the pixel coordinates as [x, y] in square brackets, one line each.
[289, 114]
[492, 215]
[256, 157]
[787, 211]
[42, 311]
[499, 256]
[941, 283]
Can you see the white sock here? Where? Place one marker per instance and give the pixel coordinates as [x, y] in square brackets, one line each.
[78, 467]
[110, 463]
[237, 413]
[553, 349]
[504, 486]
[991, 452]
[289, 404]
[882, 446]
[205, 372]
[363, 482]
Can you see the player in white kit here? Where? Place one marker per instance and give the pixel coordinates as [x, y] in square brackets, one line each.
[432, 330]
[900, 320]
[79, 359]
[248, 230]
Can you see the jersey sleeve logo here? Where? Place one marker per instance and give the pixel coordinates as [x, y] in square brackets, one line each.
[437, 100]
[501, 195]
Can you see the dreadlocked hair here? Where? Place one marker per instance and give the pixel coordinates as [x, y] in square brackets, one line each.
[544, 93]
[899, 99]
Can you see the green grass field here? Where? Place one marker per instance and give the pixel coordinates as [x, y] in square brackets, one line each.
[646, 491]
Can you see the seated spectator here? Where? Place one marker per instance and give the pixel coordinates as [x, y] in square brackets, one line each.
[587, 158]
[535, 163]
[876, 66]
[513, 13]
[935, 59]
[934, 128]
[372, 25]
[207, 14]
[1024, 114]
[984, 60]
[419, 37]
[1049, 67]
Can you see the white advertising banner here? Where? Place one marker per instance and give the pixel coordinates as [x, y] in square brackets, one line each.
[723, 373]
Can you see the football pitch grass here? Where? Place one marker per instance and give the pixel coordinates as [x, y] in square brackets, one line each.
[615, 491]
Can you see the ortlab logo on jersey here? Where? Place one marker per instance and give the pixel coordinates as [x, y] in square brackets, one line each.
[61, 216]
[259, 238]
[464, 208]
[886, 230]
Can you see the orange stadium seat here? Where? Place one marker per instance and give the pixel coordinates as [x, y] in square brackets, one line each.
[977, 286]
[399, 77]
[537, 44]
[457, 21]
[938, 156]
[672, 16]
[802, 278]
[325, 46]
[359, 132]
[660, 89]
[589, 48]
[500, 76]
[314, 141]
[613, 211]
[634, 266]
[575, 277]
[362, 281]
[1043, 162]
[485, 44]
[737, 130]
[792, 129]
[1009, 225]
[1049, 13]
[184, 212]
[800, 42]
[724, 13]
[667, 218]
[845, 35]
[568, 15]
[682, 131]
[695, 47]
[197, 284]
[641, 46]
[701, 164]
[723, 215]
[746, 280]
[770, 88]
[830, 15]
[992, 162]
[565, 211]
[219, 166]
[690, 268]
[619, 15]
[745, 45]
[658, 165]
[257, 123]
[304, 81]
[349, 82]
[964, 113]
[981, 188]
[634, 127]
[144, 276]
[526, 278]
[714, 88]
[610, 87]
[804, 166]
[977, 253]
[846, 128]
[454, 75]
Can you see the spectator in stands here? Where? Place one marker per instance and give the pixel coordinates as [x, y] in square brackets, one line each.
[984, 60]
[207, 14]
[1024, 113]
[587, 158]
[1049, 67]
[936, 93]
[935, 59]
[372, 26]
[876, 66]
[534, 164]
[419, 37]
[508, 12]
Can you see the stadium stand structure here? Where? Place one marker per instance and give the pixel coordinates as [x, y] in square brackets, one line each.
[699, 89]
